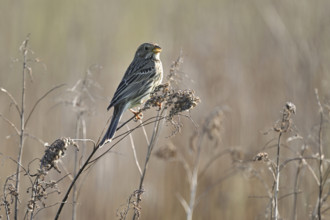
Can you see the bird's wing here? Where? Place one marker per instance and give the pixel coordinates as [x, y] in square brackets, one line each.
[134, 83]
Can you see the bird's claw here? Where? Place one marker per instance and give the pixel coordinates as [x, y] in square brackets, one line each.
[159, 104]
[137, 115]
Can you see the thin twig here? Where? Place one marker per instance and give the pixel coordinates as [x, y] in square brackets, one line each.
[213, 159]
[321, 156]
[194, 180]
[12, 99]
[65, 198]
[282, 126]
[35, 138]
[22, 167]
[230, 173]
[125, 134]
[277, 182]
[10, 123]
[134, 153]
[80, 171]
[286, 162]
[185, 165]
[65, 169]
[40, 99]
[37, 212]
[145, 133]
[295, 186]
[6, 203]
[24, 50]
[183, 202]
[150, 148]
[75, 167]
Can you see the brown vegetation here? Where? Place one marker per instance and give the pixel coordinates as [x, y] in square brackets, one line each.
[221, 155]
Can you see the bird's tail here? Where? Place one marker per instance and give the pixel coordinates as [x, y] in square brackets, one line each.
[117, 113]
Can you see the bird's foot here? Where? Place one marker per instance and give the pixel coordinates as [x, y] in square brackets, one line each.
[159, 104]
[138, 114]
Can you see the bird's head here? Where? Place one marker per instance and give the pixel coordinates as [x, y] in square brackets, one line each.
[148, 51]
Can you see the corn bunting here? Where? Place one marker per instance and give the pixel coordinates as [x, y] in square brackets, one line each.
[140, 79]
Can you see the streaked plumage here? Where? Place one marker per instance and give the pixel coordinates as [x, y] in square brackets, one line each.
[140, 79]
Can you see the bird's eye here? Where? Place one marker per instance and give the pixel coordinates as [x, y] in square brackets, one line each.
[145, 48]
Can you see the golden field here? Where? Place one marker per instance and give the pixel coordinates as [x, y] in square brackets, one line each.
[244, 59]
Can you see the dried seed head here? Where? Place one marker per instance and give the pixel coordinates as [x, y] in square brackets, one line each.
[262, 156]
[12, 189]
[290, 107]
[175, 75]
[166, 152]
[175, 100]
[53, 153]
[285, 124]
[158, 96]
[182, 101]
[30, 205]
[213, 125]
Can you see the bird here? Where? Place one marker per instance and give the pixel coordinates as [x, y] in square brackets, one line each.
[142, 76]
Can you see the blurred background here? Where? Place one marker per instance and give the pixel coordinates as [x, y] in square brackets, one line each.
[245, 59]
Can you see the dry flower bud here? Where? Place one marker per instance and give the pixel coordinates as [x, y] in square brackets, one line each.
[262, 156]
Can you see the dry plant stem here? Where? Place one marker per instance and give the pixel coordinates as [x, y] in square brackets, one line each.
[230, 172]
[34, 198]
[21, 135]
[10, 123]
[134, 153]
[125, 134]
[210, 162]
[65, 198]
[319, 204]
[194, 181]
[34, 186]
[49, 206]
[150, 147]
[89, 162]
[295, 195]
[74, 193]
[83, 168]
[40, 99]
[5, 196]
[145, 132]
[277, 182]
[12, 99]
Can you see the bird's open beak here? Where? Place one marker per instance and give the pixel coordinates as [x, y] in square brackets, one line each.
[157, 49]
